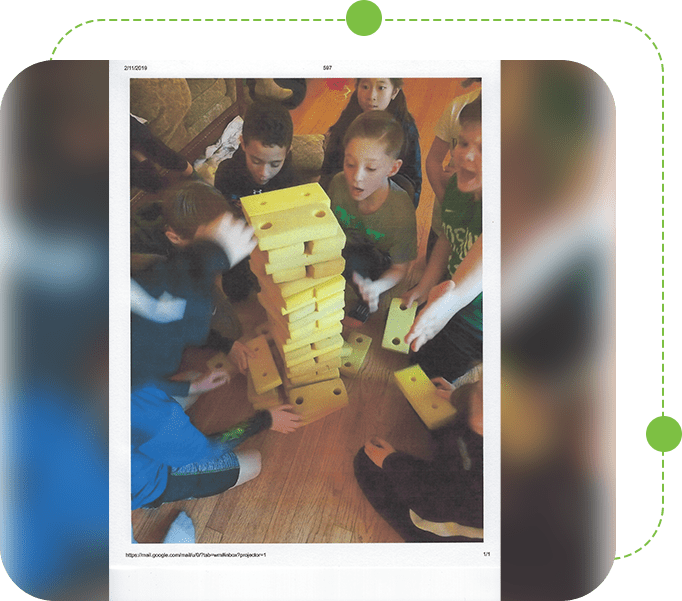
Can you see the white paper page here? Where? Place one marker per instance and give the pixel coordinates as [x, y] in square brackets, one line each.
[301, 571]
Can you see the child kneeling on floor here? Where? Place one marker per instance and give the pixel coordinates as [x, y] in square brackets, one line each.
[377, 215]
[171, 459]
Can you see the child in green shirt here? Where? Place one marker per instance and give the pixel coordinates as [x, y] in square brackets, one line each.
[377, 216]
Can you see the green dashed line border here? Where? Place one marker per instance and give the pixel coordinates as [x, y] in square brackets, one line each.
[521, 20]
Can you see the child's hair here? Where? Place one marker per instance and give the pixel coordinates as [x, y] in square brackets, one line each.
[379, 126]
[188, 205]
[397, 107]
[471, 113]
[269, 123]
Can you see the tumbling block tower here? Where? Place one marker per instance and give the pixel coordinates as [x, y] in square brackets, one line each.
[299, 266]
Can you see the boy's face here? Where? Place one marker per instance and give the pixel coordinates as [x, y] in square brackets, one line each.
[263, 162]
[467, 159]
[367, 167]
[375, 94]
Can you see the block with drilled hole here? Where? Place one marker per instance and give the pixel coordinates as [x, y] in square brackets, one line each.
[345, 350]
[315, 401]
[260, 257]
[421, 393]
[360, 344]
[222, 362]
[277, 255]
[282, 200]
[311, 378]
[297, 224]
[262, 367]
[261, 401]
[326, 268]
[398, 324]
[333, 243]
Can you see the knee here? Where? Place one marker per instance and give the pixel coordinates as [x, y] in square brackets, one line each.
[250, 463]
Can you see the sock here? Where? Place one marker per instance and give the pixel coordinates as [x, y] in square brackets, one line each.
[181, 530]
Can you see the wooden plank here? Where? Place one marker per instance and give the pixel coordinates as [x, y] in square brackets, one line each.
[398, 324]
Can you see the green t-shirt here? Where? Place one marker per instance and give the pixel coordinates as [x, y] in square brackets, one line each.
[462, 219]
[392, 229]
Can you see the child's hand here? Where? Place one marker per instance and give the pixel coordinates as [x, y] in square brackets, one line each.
[369, 290]
[283, 420]
[443, 388]
[377, 449]
[433, 318]
[212, 380]
[416, 294]
[239, 354]
[232, 234]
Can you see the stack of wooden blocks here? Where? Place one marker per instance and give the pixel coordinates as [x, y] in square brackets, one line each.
[299, 267]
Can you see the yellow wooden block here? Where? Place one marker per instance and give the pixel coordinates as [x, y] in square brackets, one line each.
[335, 284]
[287, 304]
[262, 367]
[328, 268]
[300, 355]
[301, 368]
[275, 308]
[290, 335]
[296, 293]
[310, 370]
[331, 363]
[295, 330]
[276, 255]
[311, 378]
[221, 361]
[289, 275]
[336, 300]
[346, 349]
[360, 344]
[329, 320]
[292, 326]
[421, 393]
[324, 245]
[281, 200]
[328, 344]
[299, 260]
[290, 288]
[318, 335]
[299, 313]
[315, 401]
[261, 401]
[328, 356]
[286, 289]
[298, 224]
[398, 324]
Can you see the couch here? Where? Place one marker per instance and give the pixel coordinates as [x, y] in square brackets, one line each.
[190, 114]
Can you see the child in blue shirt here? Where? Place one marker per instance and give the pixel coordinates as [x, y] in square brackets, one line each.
[171, 459]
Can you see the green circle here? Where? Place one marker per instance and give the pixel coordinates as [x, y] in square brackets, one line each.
[664, 434]
[363, 17]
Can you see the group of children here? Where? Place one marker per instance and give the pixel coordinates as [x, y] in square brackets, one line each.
[372, 174]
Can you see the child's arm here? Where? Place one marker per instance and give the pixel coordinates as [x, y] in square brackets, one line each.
[438, 177]
[432, 274]
[279, 419]
[232, 234]
[372, 290]
[448, 298]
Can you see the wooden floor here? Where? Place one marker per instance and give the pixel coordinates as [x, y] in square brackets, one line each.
[306, 491]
